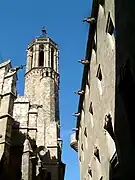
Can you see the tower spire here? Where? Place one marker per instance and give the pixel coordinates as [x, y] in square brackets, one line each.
[44, 32]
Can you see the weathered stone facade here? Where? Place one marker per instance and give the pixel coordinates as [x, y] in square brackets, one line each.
[95, 138]
[30, 144]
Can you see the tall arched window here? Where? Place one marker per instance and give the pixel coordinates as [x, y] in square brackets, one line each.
[41, 58]
[31, 57]
[52, 58]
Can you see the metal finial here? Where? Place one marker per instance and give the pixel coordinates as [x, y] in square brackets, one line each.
[44, 31]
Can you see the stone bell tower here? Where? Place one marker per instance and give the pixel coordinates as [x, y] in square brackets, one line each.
[42, 90]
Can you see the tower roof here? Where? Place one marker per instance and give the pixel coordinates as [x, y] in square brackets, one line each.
[42, 39]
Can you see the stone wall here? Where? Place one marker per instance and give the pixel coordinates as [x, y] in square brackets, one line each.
[98, 100]
[8, 95]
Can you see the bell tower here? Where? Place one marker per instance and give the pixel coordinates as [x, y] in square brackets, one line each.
[42, 90]
[42, 52]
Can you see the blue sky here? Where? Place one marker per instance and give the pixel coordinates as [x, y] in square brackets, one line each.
[22, 21]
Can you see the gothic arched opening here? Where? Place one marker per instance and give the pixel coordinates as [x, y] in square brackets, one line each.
[52, 58]
[41, 58]
[31, 57]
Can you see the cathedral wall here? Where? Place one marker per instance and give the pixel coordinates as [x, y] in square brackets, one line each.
[8, 95]
[43, 91]
[99, 99]
[21, 108]
[33, 131]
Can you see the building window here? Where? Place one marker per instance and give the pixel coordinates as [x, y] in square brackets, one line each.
[86, 140]
[52, 58]
[96, 153]
[91, 108]
[111, 32]
[85, 132]
[82, 147]
[82, 152]
[99, 73]
[110, 26]
[41, 58]
[90, 171]
[91, 114]
[99, 76]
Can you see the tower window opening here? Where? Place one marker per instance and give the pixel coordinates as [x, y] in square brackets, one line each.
[31, 57]
[52, 58]
[41, 47]
[41, 58]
